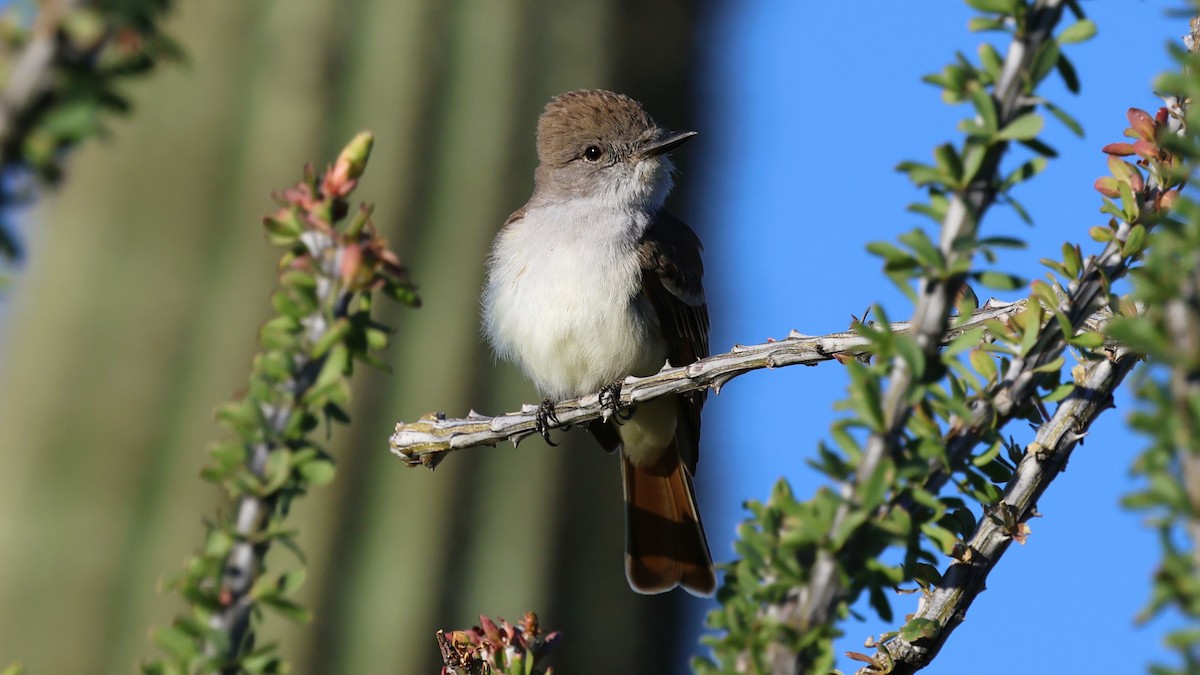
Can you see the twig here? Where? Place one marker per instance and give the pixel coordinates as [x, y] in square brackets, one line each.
[428, 440]
[946, 604]
[243, 563]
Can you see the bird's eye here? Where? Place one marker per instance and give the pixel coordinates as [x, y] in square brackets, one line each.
[593, 153]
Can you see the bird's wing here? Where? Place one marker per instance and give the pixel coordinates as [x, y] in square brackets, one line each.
[672, 280]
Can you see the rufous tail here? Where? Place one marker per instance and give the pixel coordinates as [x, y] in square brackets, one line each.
[665, 544]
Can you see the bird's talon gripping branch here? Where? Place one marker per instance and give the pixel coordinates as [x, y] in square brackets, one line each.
[545, 420]
[610, 397]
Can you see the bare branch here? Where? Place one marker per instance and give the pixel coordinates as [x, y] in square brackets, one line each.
[428, 440]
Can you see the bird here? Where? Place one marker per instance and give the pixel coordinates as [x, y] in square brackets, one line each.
[591, 281]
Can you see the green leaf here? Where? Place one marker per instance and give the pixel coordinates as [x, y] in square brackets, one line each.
[979, 24]
[895, 257]
[911, 353]
[317, 471]
[1006, 7]
[1043, 62]
[985, 105]
[949, 163]
[1003, 242]
[218, 544]
[1101, 234]
[1066, 70]
[1059, 393]
[972, 159]
[1129, 205]
[999, 281]
[1040, 148]
[175, 642]
[940, 536]
[402, 293]
[847, 528]
[875, 488]
[1062, 116]
[1135, 241]
[968, 340]
[288, 609]
[992, 62]
[336, 334]
[292, 580]
[1044, 292]
[924, 248]
[1079, 31]
[1072, 259]
[1088, 340]
[984, 364]
[1024, 172]
[334, 367]
[277, 470]
[1020, 210]
[921, 174]
[72, 121]
[1052, 366]
[1023, 128]
[1031, 324]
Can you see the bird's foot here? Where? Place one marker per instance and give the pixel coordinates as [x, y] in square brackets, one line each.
[610, 397]
[545, 420]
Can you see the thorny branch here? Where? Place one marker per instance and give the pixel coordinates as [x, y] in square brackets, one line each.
[428, 440]
[946, 604]
[814, 602]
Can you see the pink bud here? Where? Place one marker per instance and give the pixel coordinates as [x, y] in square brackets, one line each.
[1145, 149]
[1118, 149]
[1142, 123]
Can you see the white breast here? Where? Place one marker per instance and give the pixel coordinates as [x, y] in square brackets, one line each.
[562, 300]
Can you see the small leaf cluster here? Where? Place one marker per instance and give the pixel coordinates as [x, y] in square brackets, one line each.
[329, 273]
[1166, 328]
[896, 504]
[993, 126]
[498, 647]
[97, 47]
[1032, 343]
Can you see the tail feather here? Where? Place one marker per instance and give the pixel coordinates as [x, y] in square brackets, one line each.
[665, 544]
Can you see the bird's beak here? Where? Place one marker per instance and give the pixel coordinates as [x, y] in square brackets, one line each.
[666, 144]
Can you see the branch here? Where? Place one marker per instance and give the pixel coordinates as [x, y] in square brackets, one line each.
[941, 610]
[30, 77]
[329, 274]
[815, 601]
[428, 440]
[60, 75]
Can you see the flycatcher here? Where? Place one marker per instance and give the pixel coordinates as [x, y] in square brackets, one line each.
[592, 281]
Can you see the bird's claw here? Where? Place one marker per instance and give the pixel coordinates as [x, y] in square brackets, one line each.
[610, 397]
[545, 419]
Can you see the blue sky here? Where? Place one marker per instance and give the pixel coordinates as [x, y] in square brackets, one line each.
[808, 110]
